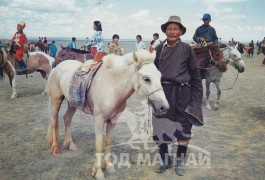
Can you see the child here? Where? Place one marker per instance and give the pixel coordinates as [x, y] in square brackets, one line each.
[53, 50]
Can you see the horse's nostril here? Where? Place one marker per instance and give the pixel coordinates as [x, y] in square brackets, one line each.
[162, 109]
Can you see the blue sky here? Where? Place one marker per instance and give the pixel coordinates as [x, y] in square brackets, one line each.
[241, 19]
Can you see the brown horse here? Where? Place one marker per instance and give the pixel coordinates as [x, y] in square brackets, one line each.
[211, 61]
[210, 54]
[67, 53]
[37, 61]
[42, 47]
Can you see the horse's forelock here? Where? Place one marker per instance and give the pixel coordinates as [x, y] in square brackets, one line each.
[145, 56]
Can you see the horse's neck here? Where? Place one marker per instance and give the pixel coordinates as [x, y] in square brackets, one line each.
[121, 79]
[226, 53]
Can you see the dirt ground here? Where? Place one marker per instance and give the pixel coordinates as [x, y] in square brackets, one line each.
[233, 135]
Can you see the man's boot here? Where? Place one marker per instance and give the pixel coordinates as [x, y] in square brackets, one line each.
[166, 163]
[181, 153]
[23, 67]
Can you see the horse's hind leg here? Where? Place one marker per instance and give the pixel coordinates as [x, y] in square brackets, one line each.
[53, 130]
[217, 84]
[68, 142]
[207, 82]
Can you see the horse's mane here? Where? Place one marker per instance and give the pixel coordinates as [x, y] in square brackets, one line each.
[113, 60]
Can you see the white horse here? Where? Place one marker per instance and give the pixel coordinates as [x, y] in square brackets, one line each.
[233, 57]
[116, 80]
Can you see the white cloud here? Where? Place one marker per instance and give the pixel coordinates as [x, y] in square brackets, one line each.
[234, 17]
[140, 15]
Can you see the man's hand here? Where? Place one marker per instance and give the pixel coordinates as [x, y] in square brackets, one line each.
[201, 39]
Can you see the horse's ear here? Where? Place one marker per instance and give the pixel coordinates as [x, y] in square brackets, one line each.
[236, 45]
[61, 46]
[135, 58]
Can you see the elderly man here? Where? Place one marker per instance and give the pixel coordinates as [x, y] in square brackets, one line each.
[182, 85]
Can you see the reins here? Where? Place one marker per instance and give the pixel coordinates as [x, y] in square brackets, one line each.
[232, 85]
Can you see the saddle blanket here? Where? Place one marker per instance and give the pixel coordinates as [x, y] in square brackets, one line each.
[80, 85]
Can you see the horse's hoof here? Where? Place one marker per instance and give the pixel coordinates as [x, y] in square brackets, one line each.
[208, 107]
[110, 168]
[70, 145]
[13, 96]
[216, 106]
[56, 152]
[100, 176]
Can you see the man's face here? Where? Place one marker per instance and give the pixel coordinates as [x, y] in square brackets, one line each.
[154, 37]
[173, 32]
[207, 21]
[19, 28]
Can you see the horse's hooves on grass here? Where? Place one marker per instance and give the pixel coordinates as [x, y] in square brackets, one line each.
[56, 152]
[111, 169]
[70, 145]
[208, 107]
[44, 94]
[13, 96]
[100, 176]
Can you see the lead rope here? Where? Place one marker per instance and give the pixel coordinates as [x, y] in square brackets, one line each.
[232, 85]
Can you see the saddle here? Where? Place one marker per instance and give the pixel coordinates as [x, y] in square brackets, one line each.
[81, 82]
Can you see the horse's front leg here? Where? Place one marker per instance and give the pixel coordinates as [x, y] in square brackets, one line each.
[218, 88]
[207, 82]
[10, 71]
[13, 84]
[99, 126]
[68, 142]
[109, 129]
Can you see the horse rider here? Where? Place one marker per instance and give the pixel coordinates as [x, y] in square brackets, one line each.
[18, 41]
[205, 34]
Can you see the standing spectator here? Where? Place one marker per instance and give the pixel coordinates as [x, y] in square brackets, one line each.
[156, 40]
[53, 50]
[72, 44]
[205, 32]
[18, 41]
[151, 49]
[139, 43]
[96, 42]
[40, 40]
[181, 82]
[220, 40]
[114, 47]
[233, 43]
[251, 49]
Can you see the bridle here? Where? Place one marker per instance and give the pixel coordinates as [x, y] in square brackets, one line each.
[139, 85]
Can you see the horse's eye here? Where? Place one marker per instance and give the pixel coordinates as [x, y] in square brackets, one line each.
[147, 80]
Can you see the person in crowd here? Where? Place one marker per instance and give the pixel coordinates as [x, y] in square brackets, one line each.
[139, 43]
[156, 40]
[53, 50]
[18, 41]
[182, 85]
[97, 40]
[114, 47]
[72, 44]
[151, 49]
